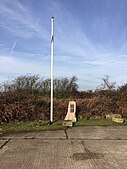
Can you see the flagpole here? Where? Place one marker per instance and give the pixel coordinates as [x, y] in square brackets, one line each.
[52, 67]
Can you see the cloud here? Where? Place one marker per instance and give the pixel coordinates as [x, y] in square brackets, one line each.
[13, 46]
[19, 20]
[12, 65]
[82, 45]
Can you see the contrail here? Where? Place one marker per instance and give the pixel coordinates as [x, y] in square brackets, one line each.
[13, 46]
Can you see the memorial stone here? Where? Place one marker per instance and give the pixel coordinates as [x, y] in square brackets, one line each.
[71, 114]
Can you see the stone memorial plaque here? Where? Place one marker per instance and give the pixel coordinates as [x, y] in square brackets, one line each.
[71, 114]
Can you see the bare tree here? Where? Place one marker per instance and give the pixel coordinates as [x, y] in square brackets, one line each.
[106, 84]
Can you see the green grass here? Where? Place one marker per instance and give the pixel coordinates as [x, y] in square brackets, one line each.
[37, 126]
[98, 123]
[29, 126]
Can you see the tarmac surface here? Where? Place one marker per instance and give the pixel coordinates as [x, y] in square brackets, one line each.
[74, 148]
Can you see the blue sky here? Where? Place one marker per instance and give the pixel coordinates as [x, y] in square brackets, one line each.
[90, 39]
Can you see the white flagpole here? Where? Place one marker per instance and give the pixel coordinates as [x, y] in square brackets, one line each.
[52, 67]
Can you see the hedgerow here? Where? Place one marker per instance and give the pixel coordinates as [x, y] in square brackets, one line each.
[28, 98]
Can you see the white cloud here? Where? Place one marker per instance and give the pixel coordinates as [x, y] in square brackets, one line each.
[19, 20]
[12, 49]
[11, 65]
[75, 52]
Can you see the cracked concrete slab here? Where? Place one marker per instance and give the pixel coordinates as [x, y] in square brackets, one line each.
[113, 153]
[98, 132]
[65, 154]
[2, 142]
[57, 134]
[81, 148]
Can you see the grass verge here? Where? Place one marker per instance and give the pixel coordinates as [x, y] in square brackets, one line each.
[99, 123]
[29, 126]
[37, 126]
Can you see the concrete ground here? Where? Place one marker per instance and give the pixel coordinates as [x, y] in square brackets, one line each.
[74, 148]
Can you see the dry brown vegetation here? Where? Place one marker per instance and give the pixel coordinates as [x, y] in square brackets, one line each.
[27, 98]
